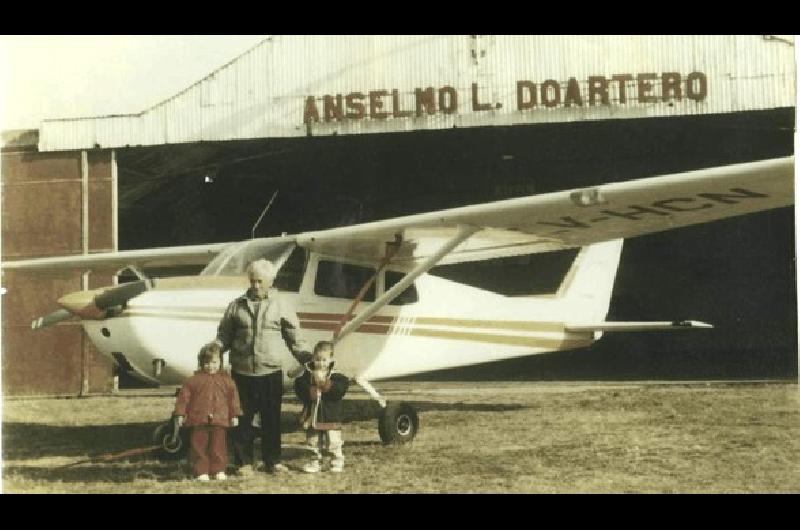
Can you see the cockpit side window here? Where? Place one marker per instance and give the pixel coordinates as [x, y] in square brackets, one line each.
[341, 280]
[409, 296]
[290, 275]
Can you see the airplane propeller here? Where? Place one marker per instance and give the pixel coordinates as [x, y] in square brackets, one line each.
[50, 319]
[104, 302]
[119, 295]
[94, 304]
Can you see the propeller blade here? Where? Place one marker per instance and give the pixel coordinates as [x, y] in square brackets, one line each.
[119, 295]
[50, 319]
[94, 304]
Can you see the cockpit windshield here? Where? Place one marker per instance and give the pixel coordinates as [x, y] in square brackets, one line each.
[234, 259]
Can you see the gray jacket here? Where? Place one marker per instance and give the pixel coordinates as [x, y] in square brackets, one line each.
[258, 342]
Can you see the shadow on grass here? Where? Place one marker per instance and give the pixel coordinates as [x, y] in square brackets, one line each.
[367, 409]
[140, 467]
[22, 441]
[37, 440]
[363, 443]
[150, 470]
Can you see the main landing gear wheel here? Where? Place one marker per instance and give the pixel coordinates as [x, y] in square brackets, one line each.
[172, 444]
[398, 423]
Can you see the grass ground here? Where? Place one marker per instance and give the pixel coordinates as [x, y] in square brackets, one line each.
[474, 437]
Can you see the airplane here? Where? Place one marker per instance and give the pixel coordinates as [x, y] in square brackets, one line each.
[368, 286]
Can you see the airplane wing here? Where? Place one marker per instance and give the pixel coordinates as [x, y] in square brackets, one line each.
[571, 218]
[221, 259]
[114, 261]
[526, 225]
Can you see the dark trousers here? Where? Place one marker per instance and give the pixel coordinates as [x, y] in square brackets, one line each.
[262, 394]
[209, 453]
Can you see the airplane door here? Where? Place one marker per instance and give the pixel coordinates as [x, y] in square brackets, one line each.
[329, 288]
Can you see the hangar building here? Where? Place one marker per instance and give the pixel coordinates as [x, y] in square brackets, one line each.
[356, 128]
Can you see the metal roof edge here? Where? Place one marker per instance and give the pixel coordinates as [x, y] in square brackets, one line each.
[170, 98]
[210, 75]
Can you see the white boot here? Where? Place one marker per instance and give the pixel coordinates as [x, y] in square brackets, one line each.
[313, 467]
[337, 465]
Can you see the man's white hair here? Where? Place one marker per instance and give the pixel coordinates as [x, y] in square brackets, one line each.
[263, 268]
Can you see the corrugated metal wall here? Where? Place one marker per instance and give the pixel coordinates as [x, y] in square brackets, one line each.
[322, 85]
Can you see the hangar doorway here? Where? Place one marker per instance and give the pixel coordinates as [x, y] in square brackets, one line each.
[215, 191]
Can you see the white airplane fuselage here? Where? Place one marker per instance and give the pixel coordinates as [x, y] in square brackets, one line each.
[450, 325]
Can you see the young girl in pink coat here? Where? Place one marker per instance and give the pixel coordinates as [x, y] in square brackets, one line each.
[208, 403]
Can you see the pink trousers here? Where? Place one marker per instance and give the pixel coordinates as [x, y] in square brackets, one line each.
[208, 450]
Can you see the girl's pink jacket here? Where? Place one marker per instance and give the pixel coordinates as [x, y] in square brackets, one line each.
[208, 399]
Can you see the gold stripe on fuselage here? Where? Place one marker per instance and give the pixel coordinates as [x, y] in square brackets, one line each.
[384, 325]
[179, 315]
[510, 340]
[517, 325]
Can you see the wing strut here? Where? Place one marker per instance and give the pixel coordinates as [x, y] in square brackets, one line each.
[391, 250]
[363, 383]
[464, 232]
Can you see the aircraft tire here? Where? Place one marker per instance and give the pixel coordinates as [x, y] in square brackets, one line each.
[398, 423]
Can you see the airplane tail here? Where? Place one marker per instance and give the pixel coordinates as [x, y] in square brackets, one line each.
[588, 285]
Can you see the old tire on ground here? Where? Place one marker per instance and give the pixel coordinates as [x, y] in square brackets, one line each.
[163, 437]
[398, 423]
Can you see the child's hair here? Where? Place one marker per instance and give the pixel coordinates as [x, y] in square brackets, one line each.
[322, 358]
[324, 345]
[208, 352]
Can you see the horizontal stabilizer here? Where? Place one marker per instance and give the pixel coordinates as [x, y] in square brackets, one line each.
[638, 326]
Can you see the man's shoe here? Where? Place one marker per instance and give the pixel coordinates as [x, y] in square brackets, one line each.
[202, 478]
[337, 467]
[246, 471]
[312, 467]
[221, 476]
[280, 468]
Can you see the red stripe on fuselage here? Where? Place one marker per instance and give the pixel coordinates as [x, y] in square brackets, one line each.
[336, 317]
[331, 326]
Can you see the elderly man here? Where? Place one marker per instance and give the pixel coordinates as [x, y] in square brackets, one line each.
[255, 327]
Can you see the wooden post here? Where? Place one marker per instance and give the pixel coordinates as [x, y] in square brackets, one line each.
[85, 276]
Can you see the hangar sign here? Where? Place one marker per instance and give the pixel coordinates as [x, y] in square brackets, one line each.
[619, 89]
